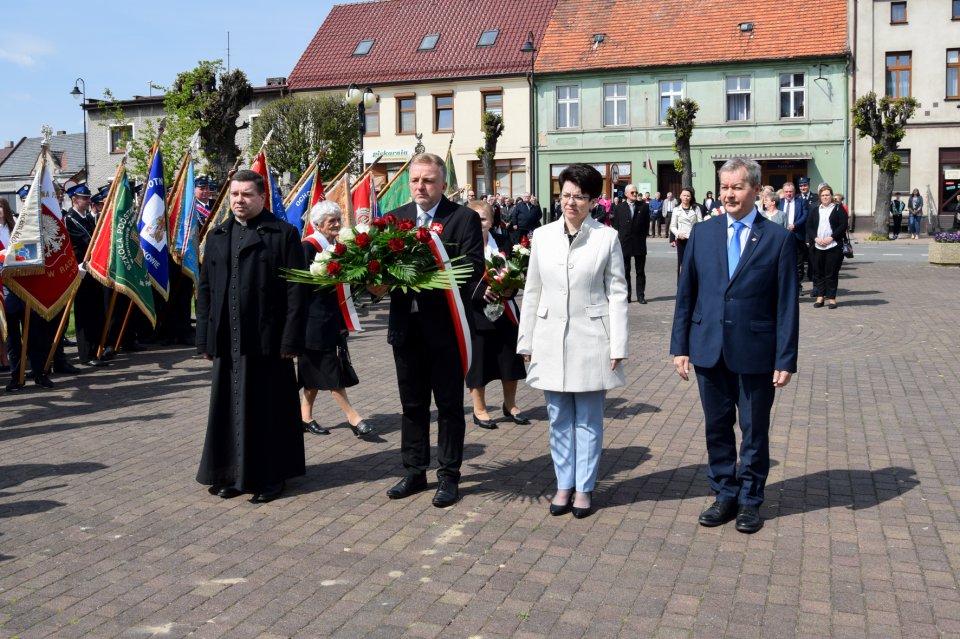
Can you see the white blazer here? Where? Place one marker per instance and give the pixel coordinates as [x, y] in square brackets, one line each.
[575, 309]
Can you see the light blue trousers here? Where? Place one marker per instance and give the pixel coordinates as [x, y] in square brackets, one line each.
[576, 437]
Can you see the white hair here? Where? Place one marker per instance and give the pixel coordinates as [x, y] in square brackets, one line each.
[320, 210]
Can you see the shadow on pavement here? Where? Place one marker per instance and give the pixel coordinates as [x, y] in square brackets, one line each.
[16, 474]
[854, 489]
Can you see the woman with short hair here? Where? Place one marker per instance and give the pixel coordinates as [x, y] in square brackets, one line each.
[826, 227]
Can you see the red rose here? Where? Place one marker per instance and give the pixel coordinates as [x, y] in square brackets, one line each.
[378, 223]
[373, 266]
[423, 234]
[362, 240]
[525, 241]
[396, 245]
[437, 228]
[405, 225]
[333, 268]
[339, 249]
[389, 218]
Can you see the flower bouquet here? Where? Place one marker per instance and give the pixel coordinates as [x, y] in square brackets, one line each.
[504, 276]
[386, 252]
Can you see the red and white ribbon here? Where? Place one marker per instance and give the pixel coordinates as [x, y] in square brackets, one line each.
[459, 316]
[347, 307]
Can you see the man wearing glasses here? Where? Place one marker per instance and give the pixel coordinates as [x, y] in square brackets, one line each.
[631, 219]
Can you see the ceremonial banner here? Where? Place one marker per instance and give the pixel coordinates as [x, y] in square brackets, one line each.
[116, 258]
[305, 195]
[39, 265]
[365, 200]
[4, 238]
[452, 188]
[175, 204]
[188, 226]
[340, 193]
[274, 200]
[153, 228]
[397, 192]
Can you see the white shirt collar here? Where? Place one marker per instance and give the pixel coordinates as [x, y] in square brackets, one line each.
[747, 220]
[431, 213]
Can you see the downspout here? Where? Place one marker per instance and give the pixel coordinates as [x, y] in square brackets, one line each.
[850, 146]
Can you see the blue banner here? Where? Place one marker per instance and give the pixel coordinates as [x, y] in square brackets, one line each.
[152, 228]
[300, 205]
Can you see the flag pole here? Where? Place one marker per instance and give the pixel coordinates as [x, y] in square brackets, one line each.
[394, 178]
[364, 174]
[338, 176]
[106, 325]
[221, 194]
[303, 178]
[23, 347]
[65, 319]
[123, 327]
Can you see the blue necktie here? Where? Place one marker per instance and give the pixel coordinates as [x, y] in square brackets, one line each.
[733, 249]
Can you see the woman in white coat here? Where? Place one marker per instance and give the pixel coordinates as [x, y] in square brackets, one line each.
[573, 333]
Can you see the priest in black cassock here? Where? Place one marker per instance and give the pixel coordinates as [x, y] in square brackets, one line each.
[250, 322]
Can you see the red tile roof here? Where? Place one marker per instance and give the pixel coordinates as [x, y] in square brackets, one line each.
[640, 33]
[397, 26]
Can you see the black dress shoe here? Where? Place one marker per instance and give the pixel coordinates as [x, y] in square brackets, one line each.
[748, 519]
[581, 513]
[95, 362]
[489, 424]
[265, 494]
[13, 386]
[409, 485]
[363, 429]
[642, 300]
[108, 353]
[719, 513]
[447, 493]
[519, 418]
[313, 427]
[66, 369]
[224, 491]
[561, 509]
[818, 304]
[43, 380]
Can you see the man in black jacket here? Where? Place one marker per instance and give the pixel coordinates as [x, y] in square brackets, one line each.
[632, 221]
[251, 323]
[427, 349]
[525, 219]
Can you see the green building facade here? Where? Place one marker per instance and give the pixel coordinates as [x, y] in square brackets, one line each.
[790, 115]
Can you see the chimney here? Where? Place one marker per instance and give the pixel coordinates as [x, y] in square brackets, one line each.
[8, 144]
[276, 82]
[61, 133]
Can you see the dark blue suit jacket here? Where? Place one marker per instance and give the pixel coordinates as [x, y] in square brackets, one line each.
[800, 214]
[752, 319]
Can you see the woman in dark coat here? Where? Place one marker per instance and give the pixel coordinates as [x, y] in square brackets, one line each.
[826, 228]
[319, 368]
[494, 342]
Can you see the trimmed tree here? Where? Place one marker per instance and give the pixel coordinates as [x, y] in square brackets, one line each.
[884, 121]
[492, 130]
[304, 126]
[681, 116]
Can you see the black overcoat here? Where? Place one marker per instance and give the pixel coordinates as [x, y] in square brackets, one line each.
[632, 233]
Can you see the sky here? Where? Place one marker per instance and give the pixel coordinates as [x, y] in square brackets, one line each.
[125, 46]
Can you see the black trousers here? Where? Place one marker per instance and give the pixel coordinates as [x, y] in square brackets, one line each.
[681, 247]
[640, 262]
[896, 221]
[825, 270]
[423, 369]
[38, 342]
[803, 257]
[89, 316]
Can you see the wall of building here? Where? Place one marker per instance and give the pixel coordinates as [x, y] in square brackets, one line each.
[927, 34]
[644, 142]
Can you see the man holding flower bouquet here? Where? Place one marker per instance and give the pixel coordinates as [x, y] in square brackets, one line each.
[429, 344]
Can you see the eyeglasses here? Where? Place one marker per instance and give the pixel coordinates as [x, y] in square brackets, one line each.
[579, 197]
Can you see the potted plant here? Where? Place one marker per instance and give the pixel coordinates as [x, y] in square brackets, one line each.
[945, 249]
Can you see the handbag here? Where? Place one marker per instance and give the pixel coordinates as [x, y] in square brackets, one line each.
[348, 376]
[847, 247]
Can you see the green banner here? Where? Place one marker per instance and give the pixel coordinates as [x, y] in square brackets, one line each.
[397, 195]
[128, 269]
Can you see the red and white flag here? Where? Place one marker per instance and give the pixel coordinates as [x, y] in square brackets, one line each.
[39, 265]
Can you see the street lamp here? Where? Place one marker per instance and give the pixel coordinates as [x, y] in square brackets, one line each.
[363, 100]
[528, 47]
[77, 92]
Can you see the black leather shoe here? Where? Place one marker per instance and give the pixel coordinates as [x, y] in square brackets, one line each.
[95, 362]
[43, 380]
[409, 485]
[489, 424]
[748, 519]
[581, 513]
[13, 386]
[224, 491]
[519, 418]
[313, 427]
[108, 353]
[642, 300]
[818, 304]
[447, 493]
[719, 513]
[561, 509]
[363, 429]
[66, 369]
[266, 494]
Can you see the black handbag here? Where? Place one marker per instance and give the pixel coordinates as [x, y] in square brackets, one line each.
[348, 376]
[847, 248]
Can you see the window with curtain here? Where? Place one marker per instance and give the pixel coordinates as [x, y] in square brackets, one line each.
[568, 107]
[670, 92]
[738, 98]
[615, 104]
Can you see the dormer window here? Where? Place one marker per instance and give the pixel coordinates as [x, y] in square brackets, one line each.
[488, 38]
[363, 47]
[429, 42]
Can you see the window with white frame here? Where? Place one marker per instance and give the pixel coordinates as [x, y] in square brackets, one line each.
[670, 92]
[738, 98]
[119, 136]
[568, 106]
[615, 104]
[792, 89]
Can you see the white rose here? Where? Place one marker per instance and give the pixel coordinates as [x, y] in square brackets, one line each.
[362, 228]
[346, 235]
[324, 255]
[317, 268]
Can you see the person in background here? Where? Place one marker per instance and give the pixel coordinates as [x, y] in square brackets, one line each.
[6, 227]
[796, 210]
[631, 219]
[565, 309]
[826, 228]
[896, 215]
[709, 203]
[915, 214]
[772, 212]
[685, 215]
[656, 216]
[669, 203]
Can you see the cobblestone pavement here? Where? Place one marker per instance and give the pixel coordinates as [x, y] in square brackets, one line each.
[105, 533]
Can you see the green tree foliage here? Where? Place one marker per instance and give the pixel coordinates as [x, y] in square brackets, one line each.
[492, 130]
[682, 116]
[303, 126]
[884, 121]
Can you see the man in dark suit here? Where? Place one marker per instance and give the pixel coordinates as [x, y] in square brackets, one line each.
[736, 320]
[89, 306]
[425, 343]
[632, 221]
[797, 210]
[525, 218]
